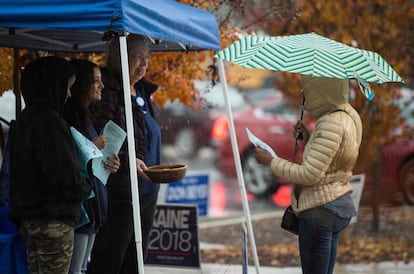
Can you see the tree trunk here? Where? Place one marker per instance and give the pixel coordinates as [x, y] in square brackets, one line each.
[376, 191]
[16, 82]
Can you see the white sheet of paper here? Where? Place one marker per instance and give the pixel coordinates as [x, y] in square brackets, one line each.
[115, 137]
[259, 143]
[87, 150]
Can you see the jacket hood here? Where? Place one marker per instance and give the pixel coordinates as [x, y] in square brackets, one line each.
[45, 82]
[324, 95]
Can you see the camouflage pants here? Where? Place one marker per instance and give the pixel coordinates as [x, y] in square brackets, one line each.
[49, 246]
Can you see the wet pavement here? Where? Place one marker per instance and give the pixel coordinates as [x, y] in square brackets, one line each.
[380, 268]
[398, 267]
[377, 268]
[230, 208]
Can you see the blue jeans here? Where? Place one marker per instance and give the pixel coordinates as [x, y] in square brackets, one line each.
[82, 247]
[319, 232]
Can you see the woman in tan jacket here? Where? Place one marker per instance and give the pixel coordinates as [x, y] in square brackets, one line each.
[321, 195]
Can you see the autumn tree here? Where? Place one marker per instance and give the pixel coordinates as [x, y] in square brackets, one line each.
[381, 26]
[389, 33]
[6, 69]
[385, 27]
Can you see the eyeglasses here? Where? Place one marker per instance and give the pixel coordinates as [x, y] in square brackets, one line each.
[140, 58]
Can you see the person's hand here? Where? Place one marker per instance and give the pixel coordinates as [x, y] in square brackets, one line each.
[263, 156]
[301, 132]
[141, 167]
[113, 163]
[100, 141]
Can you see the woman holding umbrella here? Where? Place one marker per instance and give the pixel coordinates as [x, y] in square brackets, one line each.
[321, 195]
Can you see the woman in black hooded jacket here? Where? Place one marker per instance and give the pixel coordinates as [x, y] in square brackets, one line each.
[46, 188]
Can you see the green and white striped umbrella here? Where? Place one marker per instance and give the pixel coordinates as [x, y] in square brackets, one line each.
[313, 55]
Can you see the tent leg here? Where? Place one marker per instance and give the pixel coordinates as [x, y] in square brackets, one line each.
[131, 151]
[236, 155]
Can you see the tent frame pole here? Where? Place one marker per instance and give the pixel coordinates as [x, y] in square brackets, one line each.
[131, 149]
[237, 162]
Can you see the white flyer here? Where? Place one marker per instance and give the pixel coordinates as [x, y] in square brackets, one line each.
[87, 150]
[115, 137]
[259, 143]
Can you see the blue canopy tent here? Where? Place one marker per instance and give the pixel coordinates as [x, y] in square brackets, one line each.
[83, 25]
[79, 25]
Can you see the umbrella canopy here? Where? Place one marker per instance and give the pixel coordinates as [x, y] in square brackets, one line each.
[311, 54]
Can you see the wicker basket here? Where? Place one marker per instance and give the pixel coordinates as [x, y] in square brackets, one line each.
[166, 173]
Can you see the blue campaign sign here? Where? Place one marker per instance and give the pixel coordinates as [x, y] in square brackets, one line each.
[192, 189]
[173, 239]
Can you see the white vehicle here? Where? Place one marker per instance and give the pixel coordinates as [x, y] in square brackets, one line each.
[7, 113]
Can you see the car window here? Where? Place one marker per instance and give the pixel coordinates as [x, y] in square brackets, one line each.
[214, 97]
[7, 113]
[257, 96]
[406, 104]
[280, 108]
[8, 105]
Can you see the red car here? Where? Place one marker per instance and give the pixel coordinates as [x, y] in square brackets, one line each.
[187, 129]
[272, 121]
[397, 175]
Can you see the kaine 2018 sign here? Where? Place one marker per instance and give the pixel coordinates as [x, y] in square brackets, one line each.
[174, 237]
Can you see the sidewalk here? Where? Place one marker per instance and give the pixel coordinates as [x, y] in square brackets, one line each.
[390, 267]
[380, 268]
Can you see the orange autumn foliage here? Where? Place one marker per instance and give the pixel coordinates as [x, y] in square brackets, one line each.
[383, 26]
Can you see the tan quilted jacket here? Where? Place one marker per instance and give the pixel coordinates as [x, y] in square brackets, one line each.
[332, 149]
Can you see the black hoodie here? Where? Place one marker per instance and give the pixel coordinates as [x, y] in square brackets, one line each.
[45, 178]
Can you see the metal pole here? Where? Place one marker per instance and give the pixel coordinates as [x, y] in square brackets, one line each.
[131, 151]
[237, 162]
